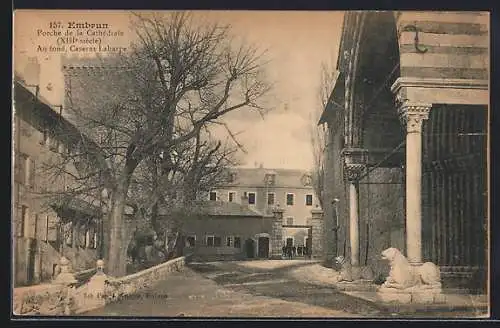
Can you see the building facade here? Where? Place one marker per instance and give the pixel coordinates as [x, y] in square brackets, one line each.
[263, 189]
[45, 224]
[227, 231]
[407, 144]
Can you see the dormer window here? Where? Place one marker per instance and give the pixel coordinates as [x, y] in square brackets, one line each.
[270, 179]
[307, 180]
[232, 177]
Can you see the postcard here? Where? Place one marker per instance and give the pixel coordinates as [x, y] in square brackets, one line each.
[250, 164]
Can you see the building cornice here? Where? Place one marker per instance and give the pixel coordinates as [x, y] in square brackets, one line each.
[414, 82]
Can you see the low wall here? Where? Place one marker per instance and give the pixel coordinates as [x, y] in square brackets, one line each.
[60, 299]
[44, 298]
[133, 283]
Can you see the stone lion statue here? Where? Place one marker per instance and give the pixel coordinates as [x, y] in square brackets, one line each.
[403, 275]
[348, 273]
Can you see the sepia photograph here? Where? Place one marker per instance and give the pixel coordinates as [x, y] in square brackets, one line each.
[250, 164]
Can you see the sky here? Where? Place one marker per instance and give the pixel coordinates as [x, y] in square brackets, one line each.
[297, 43]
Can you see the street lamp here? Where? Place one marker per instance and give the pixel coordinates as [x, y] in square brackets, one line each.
[335, 228]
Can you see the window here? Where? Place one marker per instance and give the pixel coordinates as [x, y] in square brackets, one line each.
[210, 241]
[23, 221]
[53, 144]
[270, 198]
[217, 241]
[270, 179]
[92, 237]
[251, 198]
[231, 196]
[309, 200]
[289, 220]
[191, 241]
[30, 172]
[87, 238]
[213, 195]
[289, 199]
[45, 137]
[237, 242]
[21, 169]
[52, 228]
[95, 240]
[229, 241]
[68, 234]
[232, 177]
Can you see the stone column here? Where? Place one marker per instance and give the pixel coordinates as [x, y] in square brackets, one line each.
[276, 233]
[353, 171]
[354, 165]
[412, 115]
[317, 233]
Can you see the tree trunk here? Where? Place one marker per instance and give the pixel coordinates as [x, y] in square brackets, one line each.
[117, 261]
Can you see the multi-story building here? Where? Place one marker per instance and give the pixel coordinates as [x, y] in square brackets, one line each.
[407, 144]
[46, 224]
[264, 189]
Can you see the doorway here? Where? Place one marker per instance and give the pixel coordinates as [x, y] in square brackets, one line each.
[249, 248]
[31, 261]
[263, 247]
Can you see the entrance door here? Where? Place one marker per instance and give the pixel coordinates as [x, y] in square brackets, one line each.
[289, 242]
[263, 247]
[249, 248]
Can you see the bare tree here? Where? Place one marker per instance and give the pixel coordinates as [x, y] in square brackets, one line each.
[136, 110]
[319, 134]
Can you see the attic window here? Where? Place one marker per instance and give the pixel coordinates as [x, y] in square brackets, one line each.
[270, 179]
[232, 177]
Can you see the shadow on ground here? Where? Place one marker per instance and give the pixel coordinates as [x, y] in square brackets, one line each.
[277, 283]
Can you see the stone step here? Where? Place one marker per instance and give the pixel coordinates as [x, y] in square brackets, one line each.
[477, 304]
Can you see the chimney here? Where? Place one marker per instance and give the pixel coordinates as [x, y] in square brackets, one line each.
[31, 73]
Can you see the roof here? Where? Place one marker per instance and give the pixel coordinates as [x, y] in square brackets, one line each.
[219, 208]
[256, 177]
[335, 100]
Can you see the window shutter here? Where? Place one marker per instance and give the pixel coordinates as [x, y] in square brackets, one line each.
[87, 238]
[32, 221]
[18, 168]
[31, 168]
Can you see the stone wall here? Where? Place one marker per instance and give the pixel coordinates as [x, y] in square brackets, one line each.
[63, 296]
[44, 299]
[381, 217]
[317, 234]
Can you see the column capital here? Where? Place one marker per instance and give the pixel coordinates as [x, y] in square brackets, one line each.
[352, 172]
[354, 155]
[412, 115]
[354, 160]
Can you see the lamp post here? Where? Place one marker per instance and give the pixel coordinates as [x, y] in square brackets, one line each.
[335, 228]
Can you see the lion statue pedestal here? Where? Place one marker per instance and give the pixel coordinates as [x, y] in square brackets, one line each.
[408, 283]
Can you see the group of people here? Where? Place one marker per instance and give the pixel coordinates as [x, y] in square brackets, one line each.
[290, 251]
